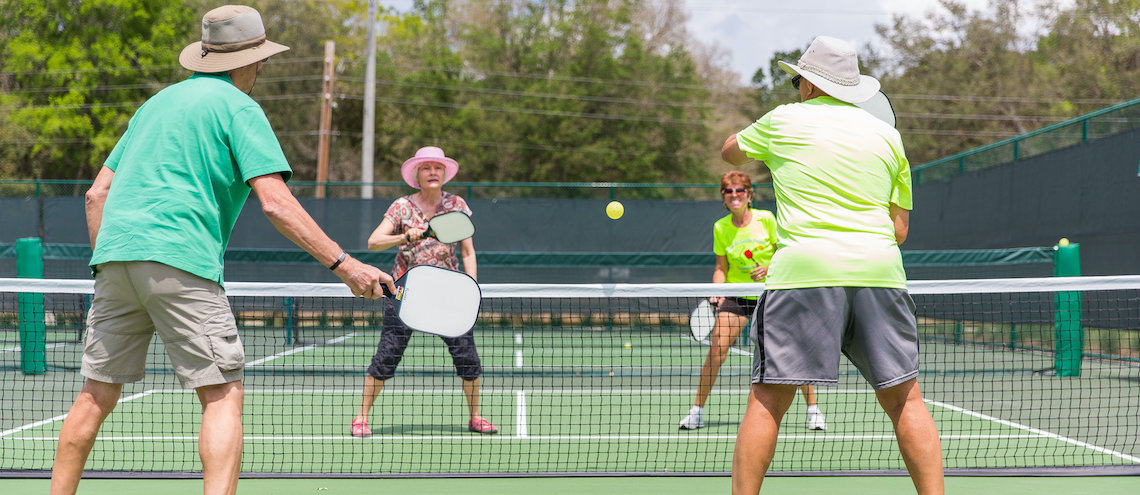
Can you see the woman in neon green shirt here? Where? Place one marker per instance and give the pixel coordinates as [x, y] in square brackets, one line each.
[743, 242]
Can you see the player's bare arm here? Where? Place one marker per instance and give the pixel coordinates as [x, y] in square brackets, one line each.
[900, 217]
[94, 200]
[467, 254]
[720, 275]
[732, 153]
[385, 236]
[290, 218]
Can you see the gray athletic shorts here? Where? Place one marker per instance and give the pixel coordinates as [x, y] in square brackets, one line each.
[135, 299]
[799, 334]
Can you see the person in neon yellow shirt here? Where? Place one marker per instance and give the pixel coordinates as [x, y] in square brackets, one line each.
[743, 242]
[837, 284]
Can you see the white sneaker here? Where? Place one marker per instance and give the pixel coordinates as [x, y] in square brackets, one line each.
[816, 421]
[693, 420]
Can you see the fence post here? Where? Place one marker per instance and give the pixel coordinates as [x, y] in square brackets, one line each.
[33, 333]
[1069, 335]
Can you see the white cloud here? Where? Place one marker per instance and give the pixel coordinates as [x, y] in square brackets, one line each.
[752, 31]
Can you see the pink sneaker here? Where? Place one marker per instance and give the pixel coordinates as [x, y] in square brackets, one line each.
[360, 428]
[480, 425]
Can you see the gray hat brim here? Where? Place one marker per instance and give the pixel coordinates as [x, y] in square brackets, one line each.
[858, 93]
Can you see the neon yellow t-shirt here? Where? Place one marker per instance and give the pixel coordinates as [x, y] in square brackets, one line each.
[758, 238]
[836, 171]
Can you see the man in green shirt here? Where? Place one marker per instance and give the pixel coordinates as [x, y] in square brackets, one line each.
[836, 282]
[159, 216]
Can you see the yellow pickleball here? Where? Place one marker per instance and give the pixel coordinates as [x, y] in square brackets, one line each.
[615, 210]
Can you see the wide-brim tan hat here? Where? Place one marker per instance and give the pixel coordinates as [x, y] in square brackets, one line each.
[832, 65]
[233, 36]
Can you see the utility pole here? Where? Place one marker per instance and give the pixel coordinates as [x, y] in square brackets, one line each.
[326, 121]
[369, 105]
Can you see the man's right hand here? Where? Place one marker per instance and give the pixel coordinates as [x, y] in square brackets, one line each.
[364, 280]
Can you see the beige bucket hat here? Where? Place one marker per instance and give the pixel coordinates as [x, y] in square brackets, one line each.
[832, 65]
[233, 36]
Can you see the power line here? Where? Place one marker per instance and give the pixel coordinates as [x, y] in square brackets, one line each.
[642, 83]
[554, 96]
[486, 144]
[616, 117]
[551, 113]
[138, 68]
[1000, 99]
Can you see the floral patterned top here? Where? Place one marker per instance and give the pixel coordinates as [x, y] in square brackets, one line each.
[404, 215]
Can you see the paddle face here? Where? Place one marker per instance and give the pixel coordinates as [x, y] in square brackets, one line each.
[880, 106]
[701, 320]
[438, 301]
[450, 227]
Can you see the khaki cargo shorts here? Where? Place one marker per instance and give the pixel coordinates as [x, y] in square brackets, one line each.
[136, 299]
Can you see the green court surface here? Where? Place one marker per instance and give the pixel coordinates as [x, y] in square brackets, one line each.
[823, 485]
[579, 405]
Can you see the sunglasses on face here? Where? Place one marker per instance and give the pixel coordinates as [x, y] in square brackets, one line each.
[733, 190]
[796, 81]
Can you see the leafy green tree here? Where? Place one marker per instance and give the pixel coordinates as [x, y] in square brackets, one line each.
[74, 73]
[548, 90]
[289, 85]
[1105, 64]
[773, 87]
[968, 78]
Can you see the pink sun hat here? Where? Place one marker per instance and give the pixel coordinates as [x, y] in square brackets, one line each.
[428, 154]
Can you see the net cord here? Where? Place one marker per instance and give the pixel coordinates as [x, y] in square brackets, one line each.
[494, 291]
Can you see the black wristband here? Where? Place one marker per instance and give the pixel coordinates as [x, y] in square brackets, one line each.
[338, 260]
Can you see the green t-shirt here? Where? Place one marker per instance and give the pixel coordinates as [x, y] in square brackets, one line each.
[836, 171]
[180, 175]
[757, 237]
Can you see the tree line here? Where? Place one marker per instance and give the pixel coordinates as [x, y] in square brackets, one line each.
[542, 90]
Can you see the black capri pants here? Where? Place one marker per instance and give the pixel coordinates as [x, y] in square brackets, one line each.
[394, 341]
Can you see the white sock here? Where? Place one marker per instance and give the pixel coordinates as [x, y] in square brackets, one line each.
[814, 409]
[697, 409]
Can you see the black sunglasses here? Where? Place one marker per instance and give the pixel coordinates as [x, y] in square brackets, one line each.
[732, 190]
[796, 81]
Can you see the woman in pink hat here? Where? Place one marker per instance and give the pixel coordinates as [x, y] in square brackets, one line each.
[403, 226]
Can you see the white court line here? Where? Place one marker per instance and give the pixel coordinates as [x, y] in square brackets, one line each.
[523, 434]
[1038, 431]
[481, 438]
[512, 391]
[279, 355]
[520, 414]
[149, 392]
[17, 348]
[62, 416]
[521, 426]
